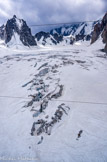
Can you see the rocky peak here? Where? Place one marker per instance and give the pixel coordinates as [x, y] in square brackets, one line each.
[20, 27]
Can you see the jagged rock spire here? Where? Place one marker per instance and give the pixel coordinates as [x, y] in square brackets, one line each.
[20, 27]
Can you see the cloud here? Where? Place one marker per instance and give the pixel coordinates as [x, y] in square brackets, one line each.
[105, 4]
[3, 13]
[6, 6]
[52, 11]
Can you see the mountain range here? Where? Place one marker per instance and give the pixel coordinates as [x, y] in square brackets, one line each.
[17, 32]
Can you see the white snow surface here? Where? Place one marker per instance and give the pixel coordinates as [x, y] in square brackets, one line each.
[82, 70]
[15, 42]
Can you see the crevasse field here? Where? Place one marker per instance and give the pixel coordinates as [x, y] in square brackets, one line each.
[81, 69]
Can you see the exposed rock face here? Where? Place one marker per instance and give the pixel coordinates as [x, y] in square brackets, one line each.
[96, 32]
[20, 27]
[101, 28]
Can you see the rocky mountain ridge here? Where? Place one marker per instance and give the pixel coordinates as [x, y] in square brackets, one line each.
[80, 30]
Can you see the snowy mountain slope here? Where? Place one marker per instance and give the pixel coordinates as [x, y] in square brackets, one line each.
[45, 80]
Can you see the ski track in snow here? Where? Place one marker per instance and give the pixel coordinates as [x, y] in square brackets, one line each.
[82, 70]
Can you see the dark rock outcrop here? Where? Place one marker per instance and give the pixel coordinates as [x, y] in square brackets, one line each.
[96, 32]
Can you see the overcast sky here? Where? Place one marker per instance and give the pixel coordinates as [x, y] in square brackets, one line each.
[52, 11]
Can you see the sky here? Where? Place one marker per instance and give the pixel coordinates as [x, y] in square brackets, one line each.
[52, 11]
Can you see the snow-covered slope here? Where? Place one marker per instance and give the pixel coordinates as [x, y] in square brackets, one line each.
[63, 88]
